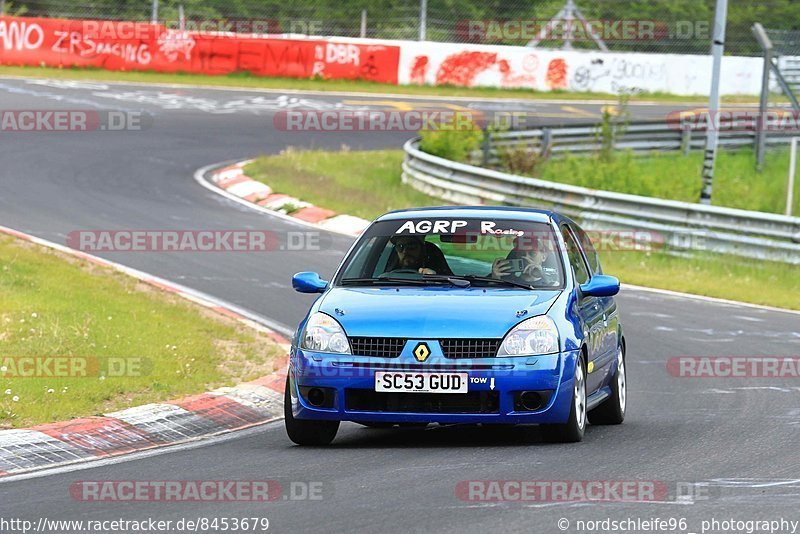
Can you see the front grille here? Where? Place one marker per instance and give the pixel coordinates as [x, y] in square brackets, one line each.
[454, 348]
[469, 348]
[377, 347]
[367, 400]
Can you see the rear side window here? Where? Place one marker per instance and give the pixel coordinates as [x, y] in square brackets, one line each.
[575, 257]
[588, 248]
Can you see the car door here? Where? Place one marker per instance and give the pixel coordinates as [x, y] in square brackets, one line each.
[608, 308]
[589, 308]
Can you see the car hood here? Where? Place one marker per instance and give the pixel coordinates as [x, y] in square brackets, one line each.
[433, 312]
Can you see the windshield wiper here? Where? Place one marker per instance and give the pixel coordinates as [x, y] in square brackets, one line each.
[475, 278]
[393, 280]
[458, 281]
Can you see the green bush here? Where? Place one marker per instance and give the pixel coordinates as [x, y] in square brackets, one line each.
[613, 125]
[455, 144]
[521, 159]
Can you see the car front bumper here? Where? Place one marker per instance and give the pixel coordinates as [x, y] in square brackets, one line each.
[494, 389]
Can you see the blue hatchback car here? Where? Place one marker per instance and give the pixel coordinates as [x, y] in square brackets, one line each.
[467, 315]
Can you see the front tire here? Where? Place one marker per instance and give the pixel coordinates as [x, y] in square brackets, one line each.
[612, 410]
[303, 432]
[572, 431]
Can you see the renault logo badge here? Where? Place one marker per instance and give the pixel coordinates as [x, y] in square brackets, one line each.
[421, 352]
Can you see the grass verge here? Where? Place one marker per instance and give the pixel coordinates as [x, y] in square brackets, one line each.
[248, 81]
[361, 183]
[140, 344]
[368, 183]
[677, 177]
[728, 277]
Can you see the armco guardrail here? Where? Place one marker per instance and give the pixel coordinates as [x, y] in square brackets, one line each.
[680, 225]
[639, 136]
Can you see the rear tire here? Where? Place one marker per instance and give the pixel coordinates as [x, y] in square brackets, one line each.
[612, 410]
[572, 431]
[306, 432]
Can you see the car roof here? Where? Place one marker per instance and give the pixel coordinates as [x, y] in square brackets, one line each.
[468, 212]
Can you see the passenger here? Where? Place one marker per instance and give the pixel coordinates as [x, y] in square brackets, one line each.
[526, 264]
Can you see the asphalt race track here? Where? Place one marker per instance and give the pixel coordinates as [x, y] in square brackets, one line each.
[740, 437]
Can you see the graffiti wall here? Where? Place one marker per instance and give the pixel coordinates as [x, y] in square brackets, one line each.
[142, 46]
[139, 46]
[547, 70]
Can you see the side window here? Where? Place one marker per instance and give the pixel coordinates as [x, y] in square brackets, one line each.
[383, 260]
[361, 263]
[588, 248]
[575, 257]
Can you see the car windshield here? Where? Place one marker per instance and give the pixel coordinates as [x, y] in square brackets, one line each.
[461, 252]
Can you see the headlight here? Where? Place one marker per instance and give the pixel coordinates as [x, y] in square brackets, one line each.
[532, 337]
[324, 334]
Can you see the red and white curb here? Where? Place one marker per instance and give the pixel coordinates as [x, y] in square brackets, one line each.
[152, 425]
[233, 183]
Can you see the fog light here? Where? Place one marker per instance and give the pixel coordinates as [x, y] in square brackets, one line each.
[530, 400]
[316, 397]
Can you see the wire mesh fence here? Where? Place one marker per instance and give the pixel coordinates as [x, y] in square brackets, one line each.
[786, 42]
[655, 26]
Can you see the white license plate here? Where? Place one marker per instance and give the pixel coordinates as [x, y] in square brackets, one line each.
[403, 382]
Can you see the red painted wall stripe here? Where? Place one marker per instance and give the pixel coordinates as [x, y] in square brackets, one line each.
[67, 43]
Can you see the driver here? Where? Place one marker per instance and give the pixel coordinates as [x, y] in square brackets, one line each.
[413, 252]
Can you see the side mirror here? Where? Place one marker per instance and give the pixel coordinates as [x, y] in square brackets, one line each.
[601, 285]
[307, 282]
